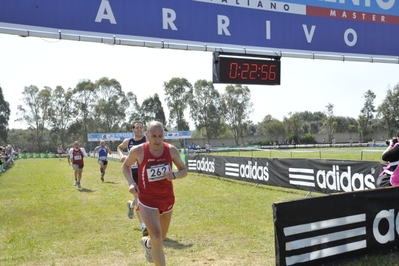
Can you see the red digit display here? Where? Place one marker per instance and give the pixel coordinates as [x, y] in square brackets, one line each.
[244, 71]
[265, 72]
[233, 70]
[248, 70]
[253, 74]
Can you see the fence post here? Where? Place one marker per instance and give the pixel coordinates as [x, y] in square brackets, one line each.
[320, 155]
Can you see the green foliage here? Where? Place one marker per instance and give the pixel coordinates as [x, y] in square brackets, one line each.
[272, 128]
[236, 107]
[4, 116]
[293, 126]
[330, 122]
[60, 116]
[366, 116]
[308, 138]
[110, 105]
[205, 109]
[152, 109]
[36, 112]
[178, 92]
[389, 110]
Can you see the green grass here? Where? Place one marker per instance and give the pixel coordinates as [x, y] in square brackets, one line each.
[45, 220]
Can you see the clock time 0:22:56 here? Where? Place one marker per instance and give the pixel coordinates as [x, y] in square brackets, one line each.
[249, 71]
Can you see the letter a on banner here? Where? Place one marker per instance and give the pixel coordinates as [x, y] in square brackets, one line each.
[105, 12]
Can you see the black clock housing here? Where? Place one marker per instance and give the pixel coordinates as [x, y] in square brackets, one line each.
[246, 69]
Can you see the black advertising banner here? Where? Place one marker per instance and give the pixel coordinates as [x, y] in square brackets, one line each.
[325, 176]
[356, 219]
[315, 231]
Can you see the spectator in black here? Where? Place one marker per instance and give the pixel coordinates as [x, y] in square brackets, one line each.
[390, 174]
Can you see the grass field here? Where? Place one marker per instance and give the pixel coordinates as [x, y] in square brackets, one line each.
[45, 220]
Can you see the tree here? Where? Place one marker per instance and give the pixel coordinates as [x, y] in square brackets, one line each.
[236, 108]
[111, 104]
[293, 126]
[251, 128]
[151, 109]
[23, 138]
[329, 122]
[133, 111]
[205, 109]
[84, 98]
[343, 123]
[312, 121]
[178, 92]
[35, 111]
[61, 114]
[4, 116]
[273, 128]
[389, 111]
[366, 115]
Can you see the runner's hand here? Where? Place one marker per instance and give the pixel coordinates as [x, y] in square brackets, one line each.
[122, 159]
[134, 189]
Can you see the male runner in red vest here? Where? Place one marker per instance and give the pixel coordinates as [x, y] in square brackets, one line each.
[155, 188]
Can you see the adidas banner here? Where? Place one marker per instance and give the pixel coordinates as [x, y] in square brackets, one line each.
[325, 176]
[322, 230]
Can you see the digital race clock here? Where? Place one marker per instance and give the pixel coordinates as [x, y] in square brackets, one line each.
[246, 69]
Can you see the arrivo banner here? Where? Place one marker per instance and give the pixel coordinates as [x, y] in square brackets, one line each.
[324, 176]
[347, 27]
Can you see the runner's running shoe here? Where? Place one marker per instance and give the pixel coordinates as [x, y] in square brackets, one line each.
[148, 255]
[130, 209]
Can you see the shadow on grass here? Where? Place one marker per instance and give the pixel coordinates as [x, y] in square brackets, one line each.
[170, 243]
[85, 190]
[174, 244]
[111, 182]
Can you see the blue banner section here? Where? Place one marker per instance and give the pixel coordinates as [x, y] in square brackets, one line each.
[109, 136]
[178, 135]
[125, 135]
[332, 26]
